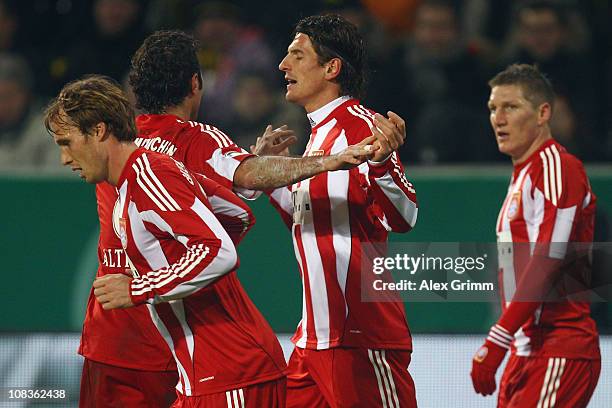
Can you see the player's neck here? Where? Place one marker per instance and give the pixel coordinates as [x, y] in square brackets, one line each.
[322, 98]
[119, 153]
[184, 111]
[537, 143]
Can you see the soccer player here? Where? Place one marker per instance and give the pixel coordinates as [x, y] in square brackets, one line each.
[182, 258]
[167, 84]
[555, 359]
[347, 352]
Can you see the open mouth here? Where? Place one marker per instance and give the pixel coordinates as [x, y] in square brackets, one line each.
[290, 82]
[502, 135]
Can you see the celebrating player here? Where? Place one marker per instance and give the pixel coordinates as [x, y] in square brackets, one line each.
[121, 346]
[347, 352]
[555, 359]
[183, 259]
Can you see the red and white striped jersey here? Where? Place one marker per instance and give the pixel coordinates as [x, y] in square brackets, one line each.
[549, 204]
[202, 148]
[184, 264]
[331, 215]
[127, 337]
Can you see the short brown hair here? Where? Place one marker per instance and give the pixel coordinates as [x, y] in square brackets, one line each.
[536, 87]
[90, 100]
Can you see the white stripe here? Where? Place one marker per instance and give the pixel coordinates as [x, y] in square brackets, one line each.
[146, 243]
[390, 374]
[558, 166]
[377, 372]
[402, 203]
[502, 332]
[552, 176]
[146, 189]
[562, 229]
[225, 137]
[163, 330]
[145, 175]
[215, 137]
[221, 137]
[365, 118]
[498, 342]
[235, 395]
[586, 201]
[178, 308]
[553, 397]
[551, 383]
[497, 339]
[384, 377]
[545, 177]
[241, 394]
[398, 170]
[304, 322]
[337, 188]
[228, 397]
[545, 383]
[316, 277]
[168, 276]
[161, 187]
[364, 111]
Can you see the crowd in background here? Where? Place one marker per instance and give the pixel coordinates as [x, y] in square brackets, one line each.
[430, 61]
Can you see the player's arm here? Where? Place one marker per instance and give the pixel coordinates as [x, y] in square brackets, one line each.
[209, 251]
[269, 172]
[559, 206]
[393, 193]
[234, 215]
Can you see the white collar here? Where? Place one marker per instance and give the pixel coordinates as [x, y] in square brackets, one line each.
[317, 116]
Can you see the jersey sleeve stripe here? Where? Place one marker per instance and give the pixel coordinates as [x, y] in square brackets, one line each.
[364, 111]
[559, 168]
[545, 176]
[398, 170]
[163, 273]
[360, 115]
[223, 136]
[162, 190]
[188, 262]
[552, 174]
[144, 186]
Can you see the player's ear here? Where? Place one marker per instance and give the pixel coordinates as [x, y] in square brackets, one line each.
[544, 113]
[100, 131]
[196, 83]
[333, 67]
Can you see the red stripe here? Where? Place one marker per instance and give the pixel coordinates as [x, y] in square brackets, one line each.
[311, 335]
[321, 211]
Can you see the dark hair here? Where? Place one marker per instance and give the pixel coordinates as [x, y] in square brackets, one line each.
[557, 9]
[88, 101]
[536, 87]
[162, 69]
[332, 36]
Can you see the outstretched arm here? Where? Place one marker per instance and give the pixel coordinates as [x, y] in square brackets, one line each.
[268, 172]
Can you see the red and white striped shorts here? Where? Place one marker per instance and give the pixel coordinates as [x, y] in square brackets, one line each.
[350, 377]
[540, 382]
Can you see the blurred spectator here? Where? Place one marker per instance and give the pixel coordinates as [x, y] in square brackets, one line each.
[24, 142]
[257, 103]
[106, 49]
[445, 89]
[8, 27]
[543, 37]
[229, 48]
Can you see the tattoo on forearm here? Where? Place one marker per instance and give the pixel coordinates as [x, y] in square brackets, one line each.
[265, 172]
